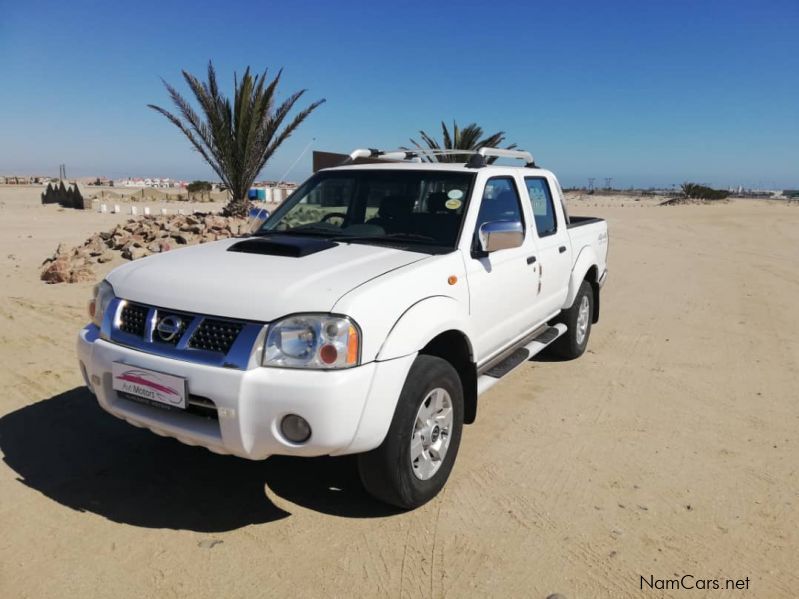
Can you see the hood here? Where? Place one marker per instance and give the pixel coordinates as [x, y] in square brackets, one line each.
[210, 279]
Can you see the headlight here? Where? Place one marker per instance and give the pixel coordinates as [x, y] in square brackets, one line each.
[103, 294]
[320, 341]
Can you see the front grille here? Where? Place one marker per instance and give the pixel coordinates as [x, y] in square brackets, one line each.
[133, 319]
[169, 327]
[195, 405]
[202, 406]
[215, 335]
[210, 340]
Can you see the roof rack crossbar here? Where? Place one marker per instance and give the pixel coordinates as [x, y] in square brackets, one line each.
[502, 153]
[416, 154]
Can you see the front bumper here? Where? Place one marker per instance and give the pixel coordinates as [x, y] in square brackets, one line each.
[349, 411]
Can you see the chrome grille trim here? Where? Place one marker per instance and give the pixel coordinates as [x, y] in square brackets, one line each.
[148, 331]
[189, 333]
[214, 334]
[160, 315]
[133, 318]
[239, 354]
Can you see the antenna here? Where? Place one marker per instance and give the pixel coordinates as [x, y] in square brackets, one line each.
[262, 213]
[293, 164]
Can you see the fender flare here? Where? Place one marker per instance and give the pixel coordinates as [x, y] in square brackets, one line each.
[420, 323]
[585, 260]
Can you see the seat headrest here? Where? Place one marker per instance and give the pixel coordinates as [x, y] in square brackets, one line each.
[394, 207]
[436, 202]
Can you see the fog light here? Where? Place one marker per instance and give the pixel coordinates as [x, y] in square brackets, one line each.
[295, 428]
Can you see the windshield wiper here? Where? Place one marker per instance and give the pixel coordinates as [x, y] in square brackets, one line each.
[314, 231]
[410, 237]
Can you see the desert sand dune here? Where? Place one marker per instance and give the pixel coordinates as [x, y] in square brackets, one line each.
[670, 447]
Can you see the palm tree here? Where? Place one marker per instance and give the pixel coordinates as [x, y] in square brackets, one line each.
[468, 138]
[236, 138]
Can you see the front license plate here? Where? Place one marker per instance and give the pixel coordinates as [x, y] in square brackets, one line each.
[149, 386]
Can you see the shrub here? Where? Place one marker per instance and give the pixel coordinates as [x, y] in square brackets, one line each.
[196, 186]
[702, 192]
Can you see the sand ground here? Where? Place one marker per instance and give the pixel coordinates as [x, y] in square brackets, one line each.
[670, 448]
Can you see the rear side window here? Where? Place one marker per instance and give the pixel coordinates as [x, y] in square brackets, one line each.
[500, 202]
[543, 208]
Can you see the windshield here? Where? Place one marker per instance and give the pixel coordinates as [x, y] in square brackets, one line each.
[401, 207]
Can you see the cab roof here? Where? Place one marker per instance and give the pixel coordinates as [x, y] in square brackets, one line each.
[436, 166]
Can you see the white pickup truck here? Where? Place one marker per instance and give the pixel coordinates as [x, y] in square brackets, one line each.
[365, 316]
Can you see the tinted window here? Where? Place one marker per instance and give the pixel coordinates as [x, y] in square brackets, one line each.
[409, 207]
[500, 202]
[543, 208]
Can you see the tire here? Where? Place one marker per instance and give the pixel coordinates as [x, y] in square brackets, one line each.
[574, 341]
[388, 472]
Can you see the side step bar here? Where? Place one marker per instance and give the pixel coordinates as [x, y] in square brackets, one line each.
[488, 378]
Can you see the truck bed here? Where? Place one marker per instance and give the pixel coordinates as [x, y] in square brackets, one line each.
[589, 239]
[579, 221]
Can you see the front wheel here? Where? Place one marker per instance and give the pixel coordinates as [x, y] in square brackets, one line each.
[577, 319]
[413, 463]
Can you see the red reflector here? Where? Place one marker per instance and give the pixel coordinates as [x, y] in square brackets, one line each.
[328, 354]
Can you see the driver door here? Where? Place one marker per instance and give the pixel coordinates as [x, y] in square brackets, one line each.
[503, 284]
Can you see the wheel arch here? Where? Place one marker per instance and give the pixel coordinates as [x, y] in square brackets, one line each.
[592, 276]
[454, 347]
[436, 326]
[585, 269]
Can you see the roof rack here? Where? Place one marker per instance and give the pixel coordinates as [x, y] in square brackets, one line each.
[476, 160]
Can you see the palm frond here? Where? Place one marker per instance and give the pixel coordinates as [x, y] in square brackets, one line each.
[470, 138]
[236, 136]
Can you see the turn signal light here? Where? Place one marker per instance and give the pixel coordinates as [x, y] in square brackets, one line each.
[352, 346]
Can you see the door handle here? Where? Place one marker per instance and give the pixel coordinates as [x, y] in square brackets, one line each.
[530, 259]
[562, 249]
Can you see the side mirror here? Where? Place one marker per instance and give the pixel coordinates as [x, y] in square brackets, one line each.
[500, 235]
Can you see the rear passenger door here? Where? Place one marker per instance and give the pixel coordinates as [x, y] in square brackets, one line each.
[554, 248]
[502, 285]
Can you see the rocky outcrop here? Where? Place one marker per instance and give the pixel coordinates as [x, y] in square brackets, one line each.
[135, 239]
[683, 201]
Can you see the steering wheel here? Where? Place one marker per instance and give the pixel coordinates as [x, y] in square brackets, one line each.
[331, 215]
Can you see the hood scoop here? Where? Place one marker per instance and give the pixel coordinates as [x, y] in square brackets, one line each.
[290, 246]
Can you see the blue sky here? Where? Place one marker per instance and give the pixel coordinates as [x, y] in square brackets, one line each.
[649, 93]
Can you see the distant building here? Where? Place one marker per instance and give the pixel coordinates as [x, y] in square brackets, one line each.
[152, 182]
[16, 180]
